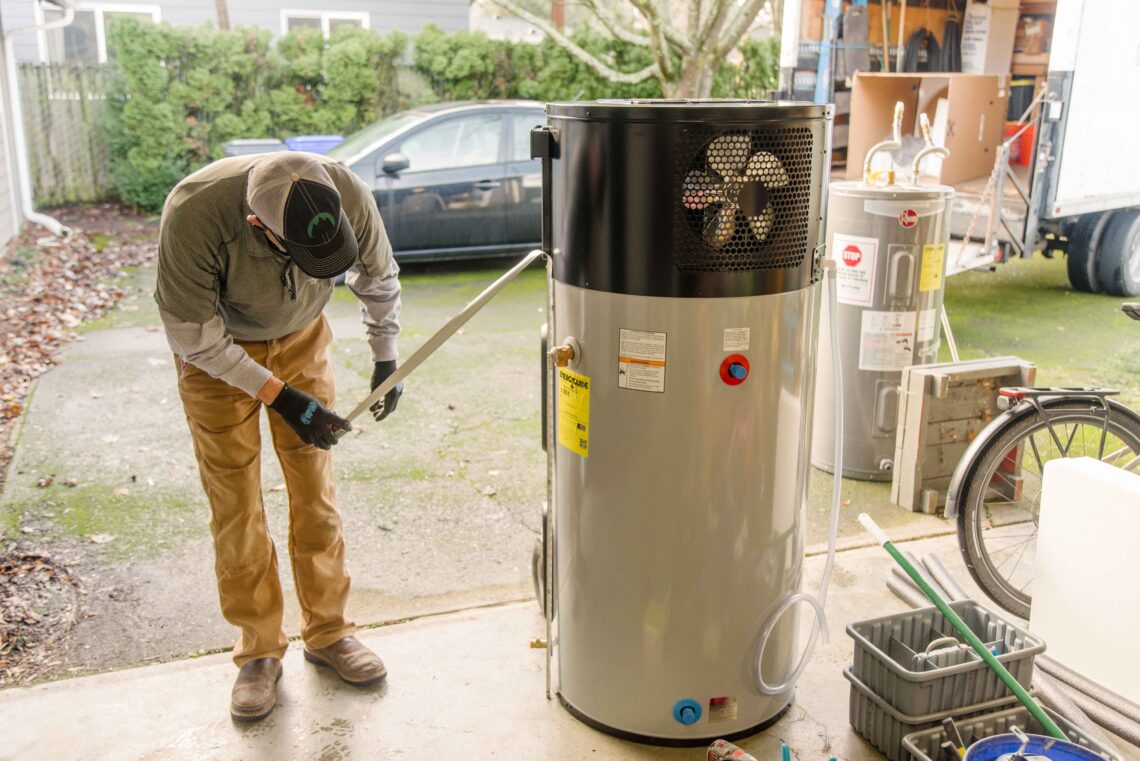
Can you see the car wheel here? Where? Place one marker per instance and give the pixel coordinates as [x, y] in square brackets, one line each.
[1118, 260]
[1084, 242]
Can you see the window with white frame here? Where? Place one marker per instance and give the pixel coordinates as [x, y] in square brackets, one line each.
[84, 40]
[327, 21]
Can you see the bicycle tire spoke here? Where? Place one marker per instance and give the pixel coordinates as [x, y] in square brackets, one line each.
[1005, 497]
[1036, 454]
[1009, 547]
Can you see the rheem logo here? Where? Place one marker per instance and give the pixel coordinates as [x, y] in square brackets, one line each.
[908, 218]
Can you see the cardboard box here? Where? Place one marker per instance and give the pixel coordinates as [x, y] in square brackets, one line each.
[988, 32]
[973, 115]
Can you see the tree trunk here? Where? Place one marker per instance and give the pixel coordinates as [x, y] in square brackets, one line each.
[696, 79]
[223, 15]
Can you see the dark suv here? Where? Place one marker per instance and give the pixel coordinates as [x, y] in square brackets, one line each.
[453, 180]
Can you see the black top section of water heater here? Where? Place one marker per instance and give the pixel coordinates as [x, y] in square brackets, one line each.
[697, 199]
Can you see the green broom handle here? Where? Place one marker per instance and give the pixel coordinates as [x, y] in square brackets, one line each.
[957, 622]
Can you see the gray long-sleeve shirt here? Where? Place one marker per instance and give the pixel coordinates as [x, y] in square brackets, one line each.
[219, 282]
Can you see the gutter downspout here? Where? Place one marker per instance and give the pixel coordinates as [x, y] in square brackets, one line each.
[15, 108]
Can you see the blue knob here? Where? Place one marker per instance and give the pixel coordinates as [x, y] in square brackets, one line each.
[687, 711]
[738, 371]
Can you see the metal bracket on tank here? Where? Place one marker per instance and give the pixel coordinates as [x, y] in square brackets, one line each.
[817, 266]
[544, 145]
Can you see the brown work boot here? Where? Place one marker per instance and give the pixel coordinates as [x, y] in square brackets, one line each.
[255, 690]
[352, 661]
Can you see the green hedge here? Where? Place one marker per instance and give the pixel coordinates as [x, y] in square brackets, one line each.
[176, 93]
[469, 65]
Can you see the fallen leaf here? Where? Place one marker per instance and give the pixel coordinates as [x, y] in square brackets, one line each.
[96, 395]
[489, 491]
[45, 482]
[71, 482]
[122, 492]
[101, 538]
[278, 487]
[492, 473]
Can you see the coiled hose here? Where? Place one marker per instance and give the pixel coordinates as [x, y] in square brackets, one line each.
[816, 603]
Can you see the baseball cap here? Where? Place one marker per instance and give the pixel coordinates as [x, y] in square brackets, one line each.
[293, 196]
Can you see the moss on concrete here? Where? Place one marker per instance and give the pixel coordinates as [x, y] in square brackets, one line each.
[142, 522]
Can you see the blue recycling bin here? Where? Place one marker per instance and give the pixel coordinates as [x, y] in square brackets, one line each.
[313, 143]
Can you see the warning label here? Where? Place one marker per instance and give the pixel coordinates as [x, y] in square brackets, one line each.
[737, 339]
[641, 360]
[933, 263]
[574, 411]
[886, 341]
[927, 325]
[855, 269]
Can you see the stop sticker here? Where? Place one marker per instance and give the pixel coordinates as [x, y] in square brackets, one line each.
[908, 218]
[852, 255]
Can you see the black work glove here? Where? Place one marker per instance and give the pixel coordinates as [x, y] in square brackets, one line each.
[387, 405]
[314, 423]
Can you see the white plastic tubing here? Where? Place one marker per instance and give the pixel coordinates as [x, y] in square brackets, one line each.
[20, 149]
[816, 603]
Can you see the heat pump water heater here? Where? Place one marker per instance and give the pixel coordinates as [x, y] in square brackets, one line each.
[687, 249]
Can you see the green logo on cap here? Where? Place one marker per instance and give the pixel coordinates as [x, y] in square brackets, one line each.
[316, 220]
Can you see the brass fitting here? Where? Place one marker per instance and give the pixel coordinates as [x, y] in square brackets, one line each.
[561, 356]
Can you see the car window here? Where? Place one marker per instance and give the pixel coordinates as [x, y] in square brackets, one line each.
[372, 134]
[466, 141]
[522, 124]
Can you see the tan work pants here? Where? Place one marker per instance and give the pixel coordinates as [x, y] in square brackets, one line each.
[224, 423]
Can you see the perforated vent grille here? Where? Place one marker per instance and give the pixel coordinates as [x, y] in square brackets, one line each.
[744, 199]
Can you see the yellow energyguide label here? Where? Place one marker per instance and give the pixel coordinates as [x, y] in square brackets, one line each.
[574, 411]
[933, 258]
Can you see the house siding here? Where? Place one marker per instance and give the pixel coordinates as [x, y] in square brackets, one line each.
[384, 15]
[11, 220]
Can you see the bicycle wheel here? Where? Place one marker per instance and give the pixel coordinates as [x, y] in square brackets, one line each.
[998, 518]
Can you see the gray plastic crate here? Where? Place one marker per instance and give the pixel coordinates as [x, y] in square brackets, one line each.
[926, 745]
[884, 726]
[890, 659]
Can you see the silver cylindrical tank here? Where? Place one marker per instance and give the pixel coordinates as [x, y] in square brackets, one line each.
[889, 244]
[687, 253]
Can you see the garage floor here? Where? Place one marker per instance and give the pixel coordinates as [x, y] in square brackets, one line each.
[461, 686]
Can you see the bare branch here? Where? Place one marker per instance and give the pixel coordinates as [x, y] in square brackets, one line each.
[661, 53]
[694, 17]
[672, 33]
[711, 28]
[660, 46]
[615, 25]
[738, 27]
[603, 70]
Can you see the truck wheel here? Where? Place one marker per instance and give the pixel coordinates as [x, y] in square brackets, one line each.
[1118, 260]
[1084, 243]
